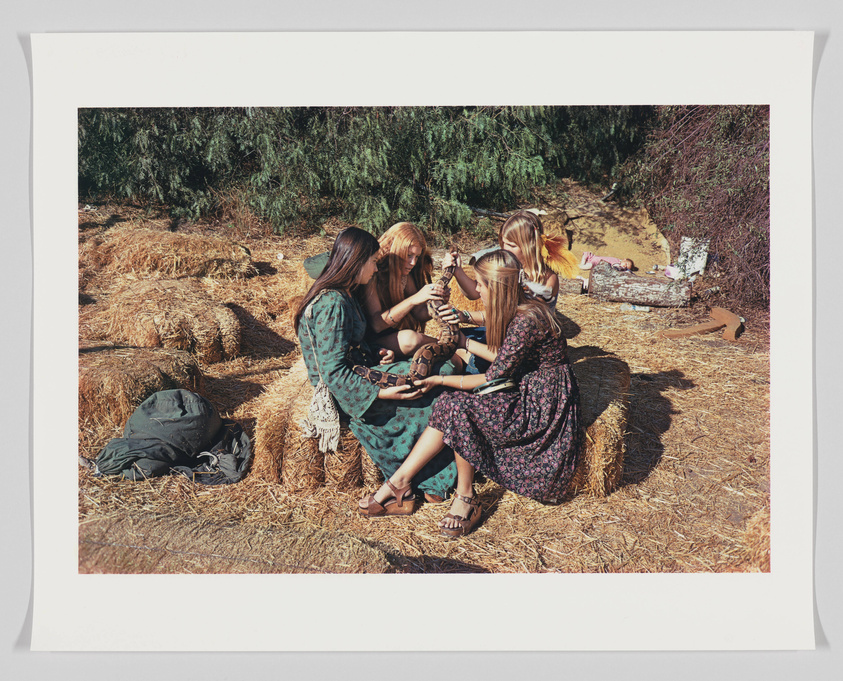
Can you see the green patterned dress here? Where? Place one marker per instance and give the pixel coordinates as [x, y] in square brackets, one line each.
[331, 334]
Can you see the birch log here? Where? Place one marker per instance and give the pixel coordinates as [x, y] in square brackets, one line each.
[570, 286]
[624, 287]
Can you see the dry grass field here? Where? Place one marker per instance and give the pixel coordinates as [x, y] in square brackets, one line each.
[694, 494]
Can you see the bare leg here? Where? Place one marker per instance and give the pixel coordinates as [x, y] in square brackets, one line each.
[409, 341]
[405, 342]
[428, 445]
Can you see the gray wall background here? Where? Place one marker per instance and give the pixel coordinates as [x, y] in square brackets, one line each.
[825, 17]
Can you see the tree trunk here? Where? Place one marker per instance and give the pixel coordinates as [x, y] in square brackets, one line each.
[624, 287]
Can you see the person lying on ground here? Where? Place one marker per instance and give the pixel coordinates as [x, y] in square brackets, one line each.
[589, 260]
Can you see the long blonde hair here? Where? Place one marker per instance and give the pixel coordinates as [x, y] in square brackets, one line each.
[500, 272]
[542, 253]
[524, 229]
[395, 244]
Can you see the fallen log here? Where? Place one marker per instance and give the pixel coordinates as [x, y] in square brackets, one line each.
[624, 287]
[569, 287]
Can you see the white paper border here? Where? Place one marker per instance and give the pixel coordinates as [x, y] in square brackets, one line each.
[323, 612]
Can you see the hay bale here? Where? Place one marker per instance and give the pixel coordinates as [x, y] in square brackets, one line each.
[113, 381]
[167, 254]
[756, 541]
[272, 418]
[283, 454]
[173, 314]
[302, 464]
[344, 468]
[372, 475]
[604, 386]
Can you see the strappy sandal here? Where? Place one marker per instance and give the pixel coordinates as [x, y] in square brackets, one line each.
[403, 502]
[464, 524]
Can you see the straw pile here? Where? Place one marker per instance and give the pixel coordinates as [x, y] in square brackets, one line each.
[459, 301]
[272, 417]
[696, 470]
[150, 544]
[113, 381]
[173, 314]
[168, 254]
[283, 454]
[604, 387]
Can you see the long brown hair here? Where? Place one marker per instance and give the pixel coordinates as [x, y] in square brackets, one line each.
[352, 248]
[395, 244]
[500, 272]
[525, 230]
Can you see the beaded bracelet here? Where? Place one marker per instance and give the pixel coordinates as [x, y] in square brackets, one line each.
[391, 318]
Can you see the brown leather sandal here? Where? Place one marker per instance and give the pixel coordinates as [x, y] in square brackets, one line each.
[464, 524]
[403, 502]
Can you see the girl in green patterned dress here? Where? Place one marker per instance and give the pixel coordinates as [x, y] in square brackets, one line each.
[331, 325]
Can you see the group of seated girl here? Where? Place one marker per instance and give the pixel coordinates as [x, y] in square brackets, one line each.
[368, 307]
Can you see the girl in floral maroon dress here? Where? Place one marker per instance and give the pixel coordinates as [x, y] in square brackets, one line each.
[524, 437]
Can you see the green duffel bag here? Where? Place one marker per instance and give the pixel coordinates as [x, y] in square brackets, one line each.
[170, 428]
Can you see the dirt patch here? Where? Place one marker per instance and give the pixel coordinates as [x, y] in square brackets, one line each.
[605, 228]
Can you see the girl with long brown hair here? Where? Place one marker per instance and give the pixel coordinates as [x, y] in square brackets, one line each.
[330, 324]
[523, 436]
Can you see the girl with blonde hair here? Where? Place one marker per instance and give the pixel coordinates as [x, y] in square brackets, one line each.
[396, 298]
[540, 255]
[518, 423]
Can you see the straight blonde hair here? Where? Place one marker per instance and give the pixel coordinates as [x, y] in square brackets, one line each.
[500, 271]
[525, 230]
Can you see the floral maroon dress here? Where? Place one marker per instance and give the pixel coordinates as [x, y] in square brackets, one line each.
[525, 439]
